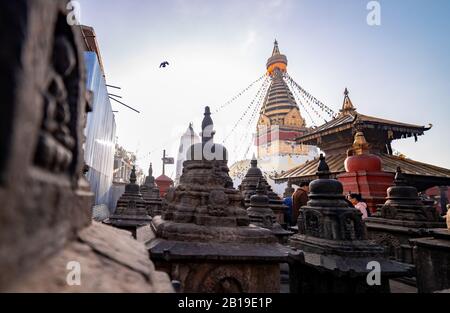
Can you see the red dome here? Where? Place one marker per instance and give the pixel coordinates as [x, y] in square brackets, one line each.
[363, 162]
[163, 178]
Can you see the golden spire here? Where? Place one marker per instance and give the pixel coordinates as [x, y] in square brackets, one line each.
[347, 107]
[277, 61]
[276, 50]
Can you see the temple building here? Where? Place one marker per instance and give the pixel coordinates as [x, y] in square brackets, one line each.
[336, 137]
[280, 123]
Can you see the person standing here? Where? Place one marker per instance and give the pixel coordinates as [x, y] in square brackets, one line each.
[287, 201]
[299, 199]
[357, 201]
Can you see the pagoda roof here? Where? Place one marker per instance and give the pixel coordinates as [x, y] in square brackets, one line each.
[390, 163]
[349, 121]
[349, 118]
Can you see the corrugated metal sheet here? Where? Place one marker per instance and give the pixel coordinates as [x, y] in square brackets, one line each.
[100, 134]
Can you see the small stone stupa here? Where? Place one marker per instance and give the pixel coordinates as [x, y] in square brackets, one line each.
[338, 257]
[248, 189]
[261, 214]
[131, 213]
[204, 237]
[404, 216]
[151, 194]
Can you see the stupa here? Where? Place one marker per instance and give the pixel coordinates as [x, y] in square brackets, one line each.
[338, 256]
[403, 217]
[131, 212]
[364, 174]
[262, 215]
[151, 194]
[204, 237]
[248, 189]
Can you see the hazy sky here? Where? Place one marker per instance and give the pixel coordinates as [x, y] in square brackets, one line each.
[399, 70]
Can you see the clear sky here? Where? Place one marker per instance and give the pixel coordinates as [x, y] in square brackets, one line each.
[399, 70]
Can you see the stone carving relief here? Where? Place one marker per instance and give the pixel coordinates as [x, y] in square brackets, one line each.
[56, 147]
[224, 279]
[313, 224]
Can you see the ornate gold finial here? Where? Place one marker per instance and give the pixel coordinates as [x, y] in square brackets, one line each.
[347, 107]
[360, 145]
[276, 49]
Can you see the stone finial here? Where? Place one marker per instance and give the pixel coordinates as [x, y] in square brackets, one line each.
[400, 179]
[324, 170]
[150, 170]
[133, 175]
[254, 162]
[207, 126]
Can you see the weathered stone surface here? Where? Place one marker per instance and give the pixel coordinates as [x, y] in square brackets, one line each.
[204, 236]
[333, 238]
[432, 259]
[403, 217]
[45, 199]
[110, 261]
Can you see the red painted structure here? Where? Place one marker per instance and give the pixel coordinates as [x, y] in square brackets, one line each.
[364, 175]
[164, 183]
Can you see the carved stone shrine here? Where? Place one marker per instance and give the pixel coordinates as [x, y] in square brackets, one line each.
[404, 216]
[262, 215]
[248, 189]
[131, 212]
[204, 237]
[332, 236]
[45, 219]
[432, 260]
[151, 194]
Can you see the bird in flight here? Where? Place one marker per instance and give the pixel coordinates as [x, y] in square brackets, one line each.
[164, 64]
